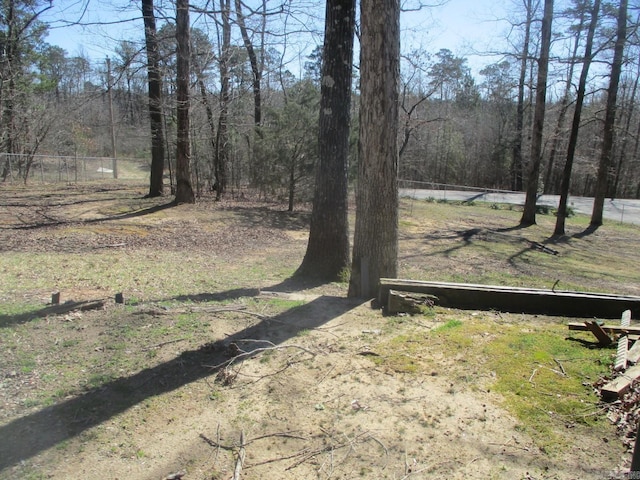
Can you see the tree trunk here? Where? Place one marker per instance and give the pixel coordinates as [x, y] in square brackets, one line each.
[621, 164]
[327, 255]
[529, 213]
[184, 191]
[375, 249]
[516, 162]
[575, 126]
[154, 79]
[222, 138]
[609, 119]
[256, 67]
[564, 107]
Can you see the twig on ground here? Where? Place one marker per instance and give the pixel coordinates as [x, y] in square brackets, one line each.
[560, 366]
[243, 354]
[162, 344]
[240, 460]
[216, 444]
[277, 434]
[215, 458]
[509, 445]
[324, 377]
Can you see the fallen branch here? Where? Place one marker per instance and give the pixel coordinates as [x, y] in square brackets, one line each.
[71, 306]
[560, 366]
[242, 354]
[162, 344]
[240, 459]
[216, 444]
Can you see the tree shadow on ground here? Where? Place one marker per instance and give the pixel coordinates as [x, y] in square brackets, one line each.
[124, 216]
[10, 320]
[27, 436]
[271, 218]
[590, 230]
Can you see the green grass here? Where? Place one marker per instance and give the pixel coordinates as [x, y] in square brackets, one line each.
[543, 382]
[543, 377]
[481, 244]
[507, 356]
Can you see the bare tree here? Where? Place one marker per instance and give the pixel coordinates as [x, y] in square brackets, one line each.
[155, 99]
[566, 98]
[21, 32]
[516, 161]
[221, 162]
[575, 127]
[257, 63]
[184, 191]
[604, 168]
[529, 213]
[327, 254]
[375, 248]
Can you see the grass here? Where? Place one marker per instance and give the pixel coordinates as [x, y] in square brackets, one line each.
[545, 383]
[518, 360]
[482, 244]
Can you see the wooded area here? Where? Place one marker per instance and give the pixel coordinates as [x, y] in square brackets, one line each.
[254, 119]
[215, 104]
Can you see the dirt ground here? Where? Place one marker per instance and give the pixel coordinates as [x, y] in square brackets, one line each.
[258, 378]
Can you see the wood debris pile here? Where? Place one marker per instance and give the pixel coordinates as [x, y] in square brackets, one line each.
[624, 412]
[621, 392]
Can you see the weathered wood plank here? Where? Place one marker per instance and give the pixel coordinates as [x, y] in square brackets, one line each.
[625, 320]
[519, 300]
[600, 334]
[633, 355]
[71, 306]
[619, 386]
[610, 329]
[621, 354]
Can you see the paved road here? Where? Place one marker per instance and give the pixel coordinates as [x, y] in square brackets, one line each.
[623, 210]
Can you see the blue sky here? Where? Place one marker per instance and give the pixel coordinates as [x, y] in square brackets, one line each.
[462, 26]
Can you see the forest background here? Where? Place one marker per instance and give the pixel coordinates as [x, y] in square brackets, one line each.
[257, 94]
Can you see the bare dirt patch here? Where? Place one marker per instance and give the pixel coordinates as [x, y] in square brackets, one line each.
[218, 354]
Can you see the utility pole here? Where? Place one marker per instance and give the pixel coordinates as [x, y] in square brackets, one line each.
[114, 164]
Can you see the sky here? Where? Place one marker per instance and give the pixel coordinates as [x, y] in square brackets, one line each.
[462, 26]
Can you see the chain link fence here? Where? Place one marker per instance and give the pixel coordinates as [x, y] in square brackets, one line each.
[16, 168]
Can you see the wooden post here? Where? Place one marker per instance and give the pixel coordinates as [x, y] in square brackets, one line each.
[55, 298]
[119, 298]
[635, 459]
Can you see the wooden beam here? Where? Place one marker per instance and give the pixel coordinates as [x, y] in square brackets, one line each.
[517, 300]
[610, 329]
[603, 338]
[619, 386]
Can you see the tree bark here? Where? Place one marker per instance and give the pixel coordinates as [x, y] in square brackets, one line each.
[609, 119]
[184, 190]
[222, 137]
[529, 213]
[256, 67]
[327, 255]
[516, 162]
[375, 249]
[564, 108]
[156, 186]
[575, 126]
